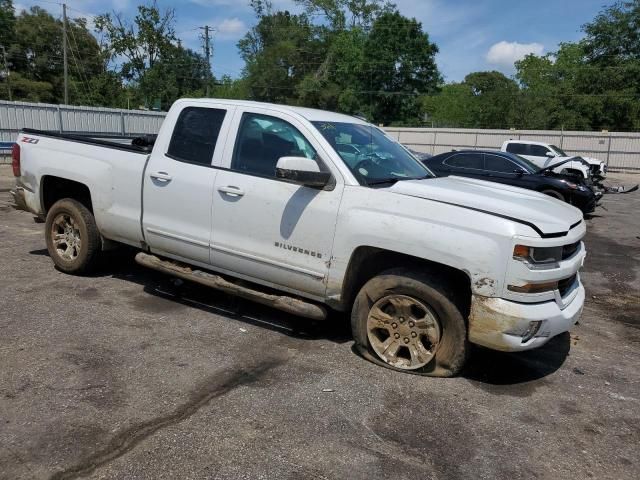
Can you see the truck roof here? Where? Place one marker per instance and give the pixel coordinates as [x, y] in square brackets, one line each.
[311, 114]
[529, 142]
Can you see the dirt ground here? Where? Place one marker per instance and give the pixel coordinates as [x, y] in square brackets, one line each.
[123, 375]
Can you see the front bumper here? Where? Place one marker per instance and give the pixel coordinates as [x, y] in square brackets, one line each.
[500, 324]
[584, 200]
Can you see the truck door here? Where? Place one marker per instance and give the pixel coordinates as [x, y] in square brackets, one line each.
[178, 182]
[266, 229]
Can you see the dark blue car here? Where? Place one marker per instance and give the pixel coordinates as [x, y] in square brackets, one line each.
[511, 169]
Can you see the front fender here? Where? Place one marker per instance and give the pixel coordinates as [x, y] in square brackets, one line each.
[472, 242]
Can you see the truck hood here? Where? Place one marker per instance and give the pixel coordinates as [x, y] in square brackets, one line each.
[547, 216]
[588, 160]
[593, 161]
[559, 161]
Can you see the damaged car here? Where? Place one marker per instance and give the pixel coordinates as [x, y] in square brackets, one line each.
[510, 169]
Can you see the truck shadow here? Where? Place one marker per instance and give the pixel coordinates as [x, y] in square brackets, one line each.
[495, 369]
[121, 264]
[485, 367]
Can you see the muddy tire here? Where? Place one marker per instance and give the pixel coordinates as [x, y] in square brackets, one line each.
[554, 194]
[72, 237]
[412, 322]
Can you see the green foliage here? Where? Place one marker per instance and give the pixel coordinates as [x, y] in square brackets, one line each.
[400, 64]
[369, 59]
[7, 23]
[144, 42]
[277, 53]
[482, 100]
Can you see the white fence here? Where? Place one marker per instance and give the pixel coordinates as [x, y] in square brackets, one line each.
[70, 118]
[621, 151]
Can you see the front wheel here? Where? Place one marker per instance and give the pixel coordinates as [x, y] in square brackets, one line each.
[72, 237]
[411, 322]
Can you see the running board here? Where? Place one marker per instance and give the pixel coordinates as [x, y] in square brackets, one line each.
[292, 305]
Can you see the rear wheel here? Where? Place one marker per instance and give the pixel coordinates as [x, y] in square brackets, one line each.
[554, 194]
[72, 237]
[410, 321]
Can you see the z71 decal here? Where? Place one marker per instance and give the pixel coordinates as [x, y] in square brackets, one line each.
[30, 140]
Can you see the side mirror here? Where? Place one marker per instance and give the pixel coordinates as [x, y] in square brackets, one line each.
[302, 170]
[519, 172]
[550, 155]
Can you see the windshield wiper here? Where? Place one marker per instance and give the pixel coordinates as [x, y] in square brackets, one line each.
[396, 179]
[383, 181]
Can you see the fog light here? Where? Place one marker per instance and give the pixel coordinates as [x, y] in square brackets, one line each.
[531, 332]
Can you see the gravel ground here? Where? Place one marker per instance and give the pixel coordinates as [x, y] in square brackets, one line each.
[123, 375]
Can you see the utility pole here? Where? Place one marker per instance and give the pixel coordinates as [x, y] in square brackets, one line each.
[6, 69]
[64, 54]
[207, 55]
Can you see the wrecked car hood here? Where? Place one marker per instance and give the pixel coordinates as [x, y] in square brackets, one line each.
[592, 161]
[541, 212]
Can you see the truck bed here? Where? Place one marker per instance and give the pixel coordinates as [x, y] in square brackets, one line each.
[111, 170]
[93, 139]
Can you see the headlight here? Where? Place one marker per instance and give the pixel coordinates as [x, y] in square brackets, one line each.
[571, 185]
[538, 257]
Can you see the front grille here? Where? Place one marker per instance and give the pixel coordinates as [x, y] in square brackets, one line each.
[565, 285]
[595, 170]
[569, 250]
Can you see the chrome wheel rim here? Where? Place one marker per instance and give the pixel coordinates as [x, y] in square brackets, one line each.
[65, 235]
[403, 331]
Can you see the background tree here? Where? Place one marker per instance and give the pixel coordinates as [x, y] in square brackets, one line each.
[400, 65]
[150, 38]
[277, 53]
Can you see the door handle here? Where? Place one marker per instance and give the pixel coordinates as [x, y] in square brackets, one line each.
[163, 176]
[231, 190]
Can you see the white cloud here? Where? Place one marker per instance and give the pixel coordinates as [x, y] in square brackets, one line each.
[505, 54]
[230, 28]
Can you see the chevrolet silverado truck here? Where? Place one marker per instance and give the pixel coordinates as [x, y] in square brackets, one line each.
[309, 211]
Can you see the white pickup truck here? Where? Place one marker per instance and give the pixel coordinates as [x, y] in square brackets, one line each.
[546, 155]
[313, 210]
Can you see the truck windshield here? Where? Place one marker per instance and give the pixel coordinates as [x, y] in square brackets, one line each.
[372, 157]
[559, 151]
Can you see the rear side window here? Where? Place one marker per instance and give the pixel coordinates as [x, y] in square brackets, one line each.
[195, 135]
[538, 150]
[465, 160]
[496, 163]
[517, 148]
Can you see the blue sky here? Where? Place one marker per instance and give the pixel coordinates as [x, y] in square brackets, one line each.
[473, 35]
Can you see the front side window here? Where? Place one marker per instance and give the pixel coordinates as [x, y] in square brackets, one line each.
[495, 163]
[195, 135]
[465, 160]
[370, 155]
[263, 140]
